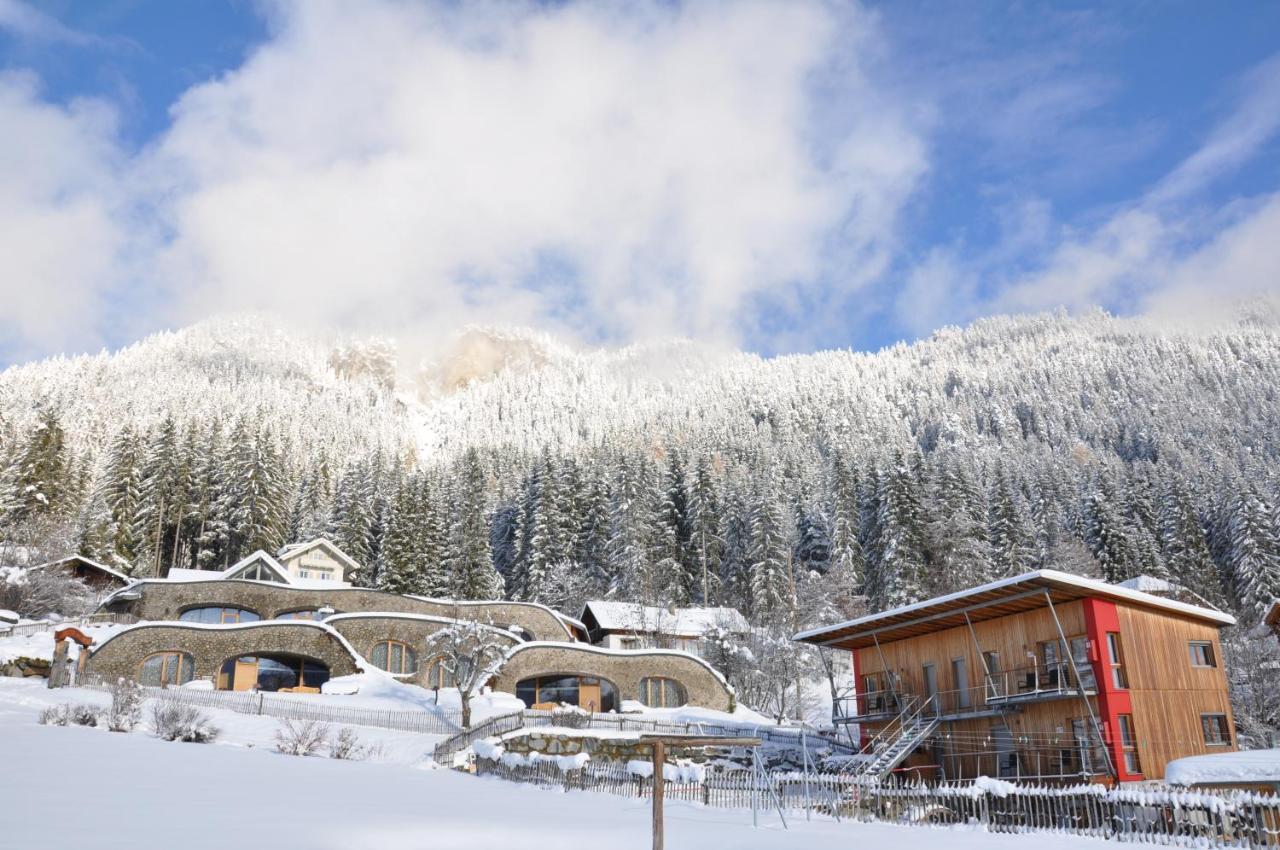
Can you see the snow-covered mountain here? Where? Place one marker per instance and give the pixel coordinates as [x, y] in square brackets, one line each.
[1104, 444]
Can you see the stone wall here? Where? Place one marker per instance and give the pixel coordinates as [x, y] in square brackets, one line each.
[166, 600]
[364, 631]
[625, 669]
[600, 748]
[123, 654]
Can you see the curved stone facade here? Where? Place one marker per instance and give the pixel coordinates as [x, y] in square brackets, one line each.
[363, 631]
[166, 600]
[123, 654]
[625, 668]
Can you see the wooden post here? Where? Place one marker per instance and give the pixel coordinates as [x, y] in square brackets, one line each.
[58, 671]
[659, 761]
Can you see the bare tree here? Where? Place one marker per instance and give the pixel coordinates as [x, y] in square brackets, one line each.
[469, 653]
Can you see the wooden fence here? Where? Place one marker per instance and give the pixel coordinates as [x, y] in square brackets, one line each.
[302, 708]
[1140, 814]
[28, 629]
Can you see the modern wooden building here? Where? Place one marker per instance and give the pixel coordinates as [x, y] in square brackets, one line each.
[1044, 675]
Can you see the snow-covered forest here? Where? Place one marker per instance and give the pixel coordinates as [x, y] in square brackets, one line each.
[1091, 444]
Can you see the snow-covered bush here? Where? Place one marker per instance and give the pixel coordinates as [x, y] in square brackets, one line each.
[301, 738]
[82, 715]
[39, 593]
[126, 705]
[173, 721]
[346, 746]
[54, 715]
[64, 714]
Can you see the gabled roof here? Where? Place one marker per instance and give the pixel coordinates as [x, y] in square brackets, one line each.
[649, 619]
[293, 550]
[263, 558]
[88, 561]
[995, 599]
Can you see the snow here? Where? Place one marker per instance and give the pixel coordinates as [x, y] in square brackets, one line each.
[395, 801]
[40, 644]
[1034, 579]
[7, 616]
[1243, 767]
[1148, 584]
[681, 622]
[600, 650]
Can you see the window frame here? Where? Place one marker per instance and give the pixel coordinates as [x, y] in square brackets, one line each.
[175, 658]
[1225, 728]
[1115, 662]
[646, 691]
[1127, 734]
[408, 657]
[1210, 657]
[223, 611]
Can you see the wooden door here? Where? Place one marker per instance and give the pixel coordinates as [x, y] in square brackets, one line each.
[246, 675]
[589, 694]
[960, 675]
[931, 687]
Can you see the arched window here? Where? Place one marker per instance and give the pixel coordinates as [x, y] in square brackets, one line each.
[394, 657]
[440, 676]
[660, 692]
[167, 668]
[219, 614]
[306, 614]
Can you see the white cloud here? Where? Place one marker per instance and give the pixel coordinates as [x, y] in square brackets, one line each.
[28, 22]
[1169, 252]
[60, 230]
[614, 171]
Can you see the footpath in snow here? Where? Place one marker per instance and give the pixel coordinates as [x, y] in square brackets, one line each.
[90, 788]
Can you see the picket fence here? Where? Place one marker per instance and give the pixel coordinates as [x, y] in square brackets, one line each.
[442, 722]
[1160, 815]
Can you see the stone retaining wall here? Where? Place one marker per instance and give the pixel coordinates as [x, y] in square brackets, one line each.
[166, 600]
[123, 654]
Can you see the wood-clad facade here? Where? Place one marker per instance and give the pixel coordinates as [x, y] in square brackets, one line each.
[1043, 676]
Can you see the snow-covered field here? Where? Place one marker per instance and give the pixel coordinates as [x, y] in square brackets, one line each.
[82, 787]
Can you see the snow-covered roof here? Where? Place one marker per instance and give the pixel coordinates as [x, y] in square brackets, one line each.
[82, 559]
[939, 612]
[649, 619]
[1245, 767]
[612, 653]
[1149, 584]
[293, 550]
[259, 556]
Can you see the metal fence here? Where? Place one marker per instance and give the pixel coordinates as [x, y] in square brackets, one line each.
[1144, 814]
[442, 722]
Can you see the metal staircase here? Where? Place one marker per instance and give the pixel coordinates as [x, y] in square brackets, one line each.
[898, 739]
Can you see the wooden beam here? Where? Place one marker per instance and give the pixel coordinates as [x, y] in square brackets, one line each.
[922, 621]
[659, 788]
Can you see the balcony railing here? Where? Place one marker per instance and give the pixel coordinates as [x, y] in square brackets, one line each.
[1040, 681]
[1000, 689]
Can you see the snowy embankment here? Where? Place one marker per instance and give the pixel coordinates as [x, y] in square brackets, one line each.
[80, 787]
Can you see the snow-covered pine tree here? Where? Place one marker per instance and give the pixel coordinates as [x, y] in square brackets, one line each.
[470, 564]
[1255, 560]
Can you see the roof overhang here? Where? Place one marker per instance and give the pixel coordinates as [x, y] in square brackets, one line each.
[989, 601]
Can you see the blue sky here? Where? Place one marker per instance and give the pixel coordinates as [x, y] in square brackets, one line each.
[777, 176]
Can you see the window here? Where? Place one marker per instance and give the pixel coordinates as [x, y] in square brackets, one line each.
[258, 571]
[1129, 744]
[395, 657]
[582, 691]
[316, 574]
[1202, 654]
[1216, 731]
[660, 692]
[440, 676]
[306, 614]
[217, 615]
[1116, 659]
[166, 668]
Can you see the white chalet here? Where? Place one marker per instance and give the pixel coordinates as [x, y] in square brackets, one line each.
[629, 625]
[318, 563]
